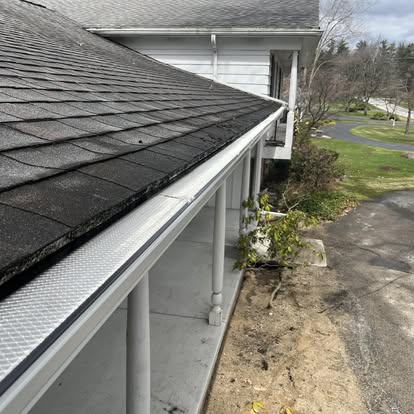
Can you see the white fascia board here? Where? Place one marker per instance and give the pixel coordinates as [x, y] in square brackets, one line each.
[128, 248]
[179, 31]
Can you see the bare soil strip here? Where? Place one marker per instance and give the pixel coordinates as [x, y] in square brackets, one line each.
[290, 355]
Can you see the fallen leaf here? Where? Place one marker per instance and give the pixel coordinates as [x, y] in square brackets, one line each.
[257, 407]
[286, 410]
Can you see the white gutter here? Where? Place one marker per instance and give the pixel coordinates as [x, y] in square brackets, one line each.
[134, 31]
[110, 266]
[215, 55]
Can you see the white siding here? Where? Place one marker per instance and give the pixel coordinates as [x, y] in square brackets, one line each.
[242, 62]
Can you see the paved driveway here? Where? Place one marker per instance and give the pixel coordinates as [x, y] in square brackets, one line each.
[342, 131]
[373, 251]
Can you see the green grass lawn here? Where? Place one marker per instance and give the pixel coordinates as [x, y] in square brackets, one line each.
[385, 134]
[370, 171]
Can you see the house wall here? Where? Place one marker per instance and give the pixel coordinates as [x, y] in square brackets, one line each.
[242, 62]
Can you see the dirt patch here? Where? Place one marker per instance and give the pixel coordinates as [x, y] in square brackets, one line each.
[291, 355]
[388, 168]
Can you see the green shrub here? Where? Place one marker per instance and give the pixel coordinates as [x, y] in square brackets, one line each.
[281, 237]
[326, 205]
[327, 122]
[357, 106]
[395, 117]
[314, 167]
[379, 116]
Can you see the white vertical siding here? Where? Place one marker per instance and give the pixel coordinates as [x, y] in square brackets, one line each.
[242, 62]
[193, 54]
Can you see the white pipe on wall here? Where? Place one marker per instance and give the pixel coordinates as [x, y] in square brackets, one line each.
[215, 55]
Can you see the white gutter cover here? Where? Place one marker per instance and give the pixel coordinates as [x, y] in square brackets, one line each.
[131, 31]
[46, 323]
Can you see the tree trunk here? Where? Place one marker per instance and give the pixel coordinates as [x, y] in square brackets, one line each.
[407, 125]
[366, 108]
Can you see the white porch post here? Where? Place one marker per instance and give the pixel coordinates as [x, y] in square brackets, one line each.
[292, 99]
[257, 178]
[245, 190]
[215, 316]
[138, 367]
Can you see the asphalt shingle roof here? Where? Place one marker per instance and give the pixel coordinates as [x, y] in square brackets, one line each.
[90, 129]
[275, 14]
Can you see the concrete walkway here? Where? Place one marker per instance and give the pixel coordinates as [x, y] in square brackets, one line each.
[184, 348]
[372, 249]
[342, 131]
[400, 111]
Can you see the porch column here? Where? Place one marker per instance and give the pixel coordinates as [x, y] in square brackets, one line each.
[292, 99]
[138, 367]
[257, 178]
[215, 316]
[245, 190]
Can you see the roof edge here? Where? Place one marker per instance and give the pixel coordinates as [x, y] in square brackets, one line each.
[143, 242]
[176, 31]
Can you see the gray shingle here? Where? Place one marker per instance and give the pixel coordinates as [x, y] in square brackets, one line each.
[13, 173]
[19, 239]
[51, 130]
[72, 198]
[125, 173]
[90, 125]
[11, 138]
[96, 130]
[26, 111]
[58, 156]
[280, 14]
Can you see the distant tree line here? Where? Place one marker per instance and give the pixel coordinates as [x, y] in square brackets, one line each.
[351, 76]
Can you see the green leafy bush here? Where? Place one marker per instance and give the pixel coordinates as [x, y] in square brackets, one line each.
[379, 116]
[327, 122]
[314, 167]
[326, 205]
[280, 236]
[359, 106]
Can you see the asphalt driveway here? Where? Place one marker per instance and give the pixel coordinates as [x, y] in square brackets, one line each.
[342, 131]
[372, 249]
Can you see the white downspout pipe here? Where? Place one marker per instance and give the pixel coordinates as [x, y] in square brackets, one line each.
[292, 100]
[215, 56]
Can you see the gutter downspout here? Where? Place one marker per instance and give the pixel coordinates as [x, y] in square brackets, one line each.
[215, 55]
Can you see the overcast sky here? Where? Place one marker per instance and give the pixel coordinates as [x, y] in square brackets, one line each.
[390, 19]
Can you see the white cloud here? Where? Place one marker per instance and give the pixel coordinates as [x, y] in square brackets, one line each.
[390, 19]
